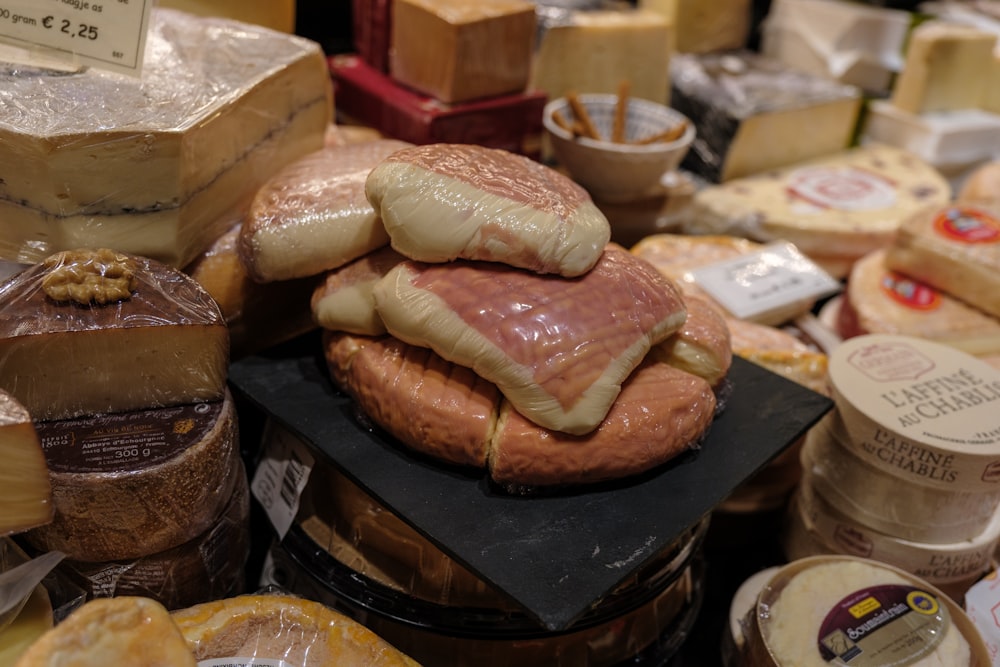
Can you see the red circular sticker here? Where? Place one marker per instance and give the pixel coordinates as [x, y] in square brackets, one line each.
[967, 225]
[909, 292]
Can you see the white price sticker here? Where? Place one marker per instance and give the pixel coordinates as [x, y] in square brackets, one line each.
[281, 477]
[107, 34]
[765, 281]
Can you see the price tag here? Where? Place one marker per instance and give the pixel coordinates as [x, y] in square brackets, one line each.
[765, 281]
[281, 477]
[107, 34]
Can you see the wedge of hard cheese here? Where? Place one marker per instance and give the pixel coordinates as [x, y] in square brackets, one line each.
[447, 201]
[126, 630]
[313, 215]
[558, 349]
[93, 331]
[148, 164]
[282, 628]
[25, 492]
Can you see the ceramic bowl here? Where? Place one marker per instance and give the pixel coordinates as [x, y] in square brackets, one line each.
[617, 171]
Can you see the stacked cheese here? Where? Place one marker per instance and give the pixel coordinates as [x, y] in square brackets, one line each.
[903, 470]
[429, 71]
[122, 362]
[943, 105]
[155, 165]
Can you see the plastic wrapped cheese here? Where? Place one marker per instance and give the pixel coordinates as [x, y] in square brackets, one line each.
[149, 164]
[92, 331]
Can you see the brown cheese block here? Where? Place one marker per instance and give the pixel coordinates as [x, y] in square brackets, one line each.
[127, 485]
[158, 339]
[132, 631]
[446, 411]
[955, 249]
[206, 568]
[558, 349]
[879, 300]
[283, 627]
[447, 201]
[259, 315]
[313, 215]
[25, 491]
[344, 300]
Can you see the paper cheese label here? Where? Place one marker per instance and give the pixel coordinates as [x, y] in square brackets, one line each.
[910, 293]
[281, 477]
[967, 225]
[106, 34]
[844, 189]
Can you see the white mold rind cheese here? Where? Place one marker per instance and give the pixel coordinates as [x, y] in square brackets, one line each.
[128, 485]
[149, 164]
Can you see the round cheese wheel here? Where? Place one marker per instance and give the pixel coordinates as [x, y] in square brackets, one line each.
[131, 484]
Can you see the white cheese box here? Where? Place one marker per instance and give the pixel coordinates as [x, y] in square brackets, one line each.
[835, 208]
[913, 407]
[150, 164]
[837, 609]
[931, 510]
[815, 527]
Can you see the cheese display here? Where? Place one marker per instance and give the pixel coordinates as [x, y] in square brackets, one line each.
[130, 484]
[313, 215]
[879, 300]
[25, 491]
[954, 249]
[702, 26]
[93, 331]
[854, 43]
[510, 122]
[220, 105]
[282, 628]
[919, 410]
[209, 567]
[447, 201]
[831, 608]
[34, 620]
[558, 350]
[258, 315]
[458, 51]
[948, 66]
[702, 346]
[749, 110]
[593, 51]
[835, 209]
[345, 301]
[815, 527]
[112, 631]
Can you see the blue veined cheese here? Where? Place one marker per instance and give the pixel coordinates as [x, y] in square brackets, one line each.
[835, 208]
[153, 165]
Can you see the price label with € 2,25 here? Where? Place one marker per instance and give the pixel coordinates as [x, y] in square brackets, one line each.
[108, 34]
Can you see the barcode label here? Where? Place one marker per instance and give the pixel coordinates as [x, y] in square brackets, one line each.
[281, 476]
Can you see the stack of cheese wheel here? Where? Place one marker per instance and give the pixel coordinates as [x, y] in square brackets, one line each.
[351, 552]
[903, 470]
[122, 362]
[840, 610]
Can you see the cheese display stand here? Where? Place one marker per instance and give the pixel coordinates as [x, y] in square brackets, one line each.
[313, 352]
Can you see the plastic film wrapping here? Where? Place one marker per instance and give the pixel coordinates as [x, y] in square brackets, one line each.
[92, 331]
[127, 485]
[258, 315]
[220, 105]
[209, 567]
[25, 491]
[276, 626]
[313, 214]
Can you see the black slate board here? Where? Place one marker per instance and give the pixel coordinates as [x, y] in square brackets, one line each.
[557, 554]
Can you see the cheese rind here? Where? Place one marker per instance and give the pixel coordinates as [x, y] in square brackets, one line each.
[165, 343]
[178, 147]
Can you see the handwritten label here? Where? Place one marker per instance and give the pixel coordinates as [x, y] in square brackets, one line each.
[106, 34]
[775, 277]
[281, 477]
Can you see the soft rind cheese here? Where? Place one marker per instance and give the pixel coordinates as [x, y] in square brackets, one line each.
[846, 204]
[128, 485]
[94, 331]
[750, 112]
[220, 105]
[25, 491]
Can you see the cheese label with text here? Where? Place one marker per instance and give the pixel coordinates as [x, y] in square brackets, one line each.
[105, 34]
[845, 189]
[281, 477]
[910, 293]
[967, 225]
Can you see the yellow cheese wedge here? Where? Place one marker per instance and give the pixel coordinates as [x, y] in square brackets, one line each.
[25, 492]
[34, 620]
